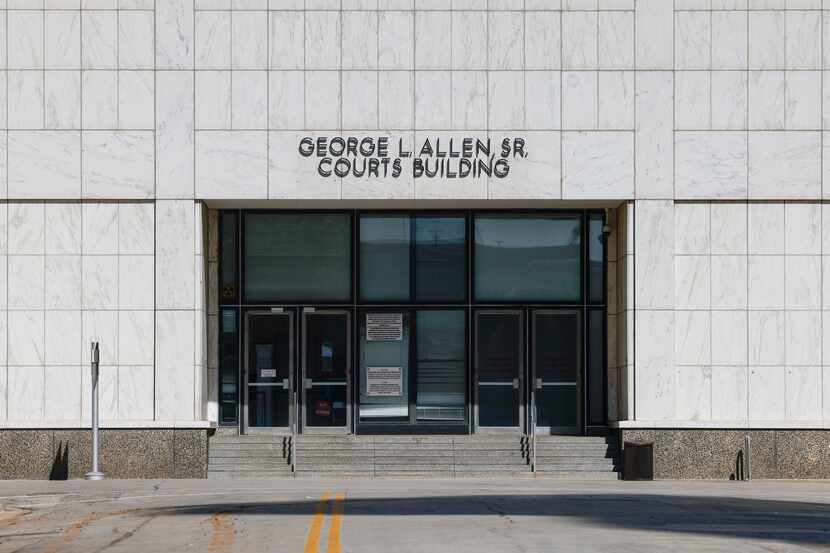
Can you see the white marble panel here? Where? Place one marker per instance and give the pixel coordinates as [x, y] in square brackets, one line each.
[135, 392]
[136, 228]
[26, 276]
[767, 106]
[136, 100]
[654, 21]
[286, 108]
[101, 327]
[692, 40]
[359, 95]
[616, 40]
[360, 40]
[62, 338]
[729, 338]
[174, 365]
[803, 393]
[63, 282]
[25, 39]
[536, 176]
[99, 275]
[231, 164]
[784, 165]
[692, 281]
[691, 228]
[653, 277]
[766, 40]
[432, 99]
[99, 100]
[433, 31]
[249, 106]
[395, 40]
[543, 38]
[469, 99]
[694, 393]
[506, 40]
[174, 34]
[294, 176]
[26, 227]
[655, 377]
[286, 40]
[62, 393]
[4, 87]
[25, 385]
[62, 226]
[729, 282]
[136, 283]
[803, 39]
[616, 100]
[692, 333]
[767, 389]
[99, 39]
[692, 106]
[322, 40]
[135, 40]
[597, 165]
[249, 41]
[26, 100]
[803, 228]
[729, 228]
[174, 134]
[62, 34]
[62, 90]
[213, 40]
[729, 393]
[25, 345]
[118, 164]
[766, 282]
[766, 228]
[730, 98]
[100, 228]
[322, 100]
[135, 337]
[729, 40]
[803, 100]
[579, 100]
[175, 236]
[803, 335]
[579, 40]
[654, 133]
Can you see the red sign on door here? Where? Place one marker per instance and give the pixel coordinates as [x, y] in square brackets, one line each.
[322, 408]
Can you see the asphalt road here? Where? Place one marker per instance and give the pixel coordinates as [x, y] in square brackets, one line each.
[401, 516]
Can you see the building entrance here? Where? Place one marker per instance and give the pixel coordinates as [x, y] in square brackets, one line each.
[268, 371]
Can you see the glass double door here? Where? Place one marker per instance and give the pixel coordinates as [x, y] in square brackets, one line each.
[297, 370]
[528, 370]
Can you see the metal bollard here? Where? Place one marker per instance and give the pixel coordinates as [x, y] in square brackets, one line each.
[94, 474]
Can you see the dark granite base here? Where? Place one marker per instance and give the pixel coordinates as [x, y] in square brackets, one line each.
[717, 454]
[125, 453]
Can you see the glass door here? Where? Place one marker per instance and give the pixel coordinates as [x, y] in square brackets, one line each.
[269, 358]
[499, 355]
[556, 357]
[326, 370]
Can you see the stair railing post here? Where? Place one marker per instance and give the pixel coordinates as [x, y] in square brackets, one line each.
[533, 428]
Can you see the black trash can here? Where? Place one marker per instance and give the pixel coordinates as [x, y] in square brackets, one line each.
[638, 461]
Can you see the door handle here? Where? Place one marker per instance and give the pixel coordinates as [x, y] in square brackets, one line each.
[515, 383]
[286, 384]
[538, 383]
[307, 383]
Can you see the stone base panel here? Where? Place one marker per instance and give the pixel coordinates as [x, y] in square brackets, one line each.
[40, 454]
[718, 454]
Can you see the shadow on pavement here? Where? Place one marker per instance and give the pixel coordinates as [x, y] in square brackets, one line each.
[785, 521]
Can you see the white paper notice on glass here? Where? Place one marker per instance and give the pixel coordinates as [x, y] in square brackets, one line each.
[268, 373]
[384, 381]
[384, 327]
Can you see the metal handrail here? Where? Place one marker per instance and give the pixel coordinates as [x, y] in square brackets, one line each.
[533, 428]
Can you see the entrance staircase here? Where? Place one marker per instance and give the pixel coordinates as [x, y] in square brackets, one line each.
[475, 456]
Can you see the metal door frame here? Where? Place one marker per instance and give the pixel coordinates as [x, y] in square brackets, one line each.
[534, 381]
[302, 419]
[245, 427]
[520, 428]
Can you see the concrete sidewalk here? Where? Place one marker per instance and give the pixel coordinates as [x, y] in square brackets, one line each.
[374, 516]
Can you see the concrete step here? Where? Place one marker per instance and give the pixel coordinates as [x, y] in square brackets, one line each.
[249, 439]
[591, 440]
[306, 453]
[248, 452]
[575, 466]
[234, 474]
[578, 475]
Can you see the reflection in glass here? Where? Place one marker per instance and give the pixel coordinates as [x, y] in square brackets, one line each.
[393, 354]
[269, 367]
[596, 370]
[556, 361]
[297, 256]
[527, 258]
[326, 359]
[229, 285]
[596, 254]
[228, 365]
[440, 250]
[441, 364]
[499, 362]
[384, 257]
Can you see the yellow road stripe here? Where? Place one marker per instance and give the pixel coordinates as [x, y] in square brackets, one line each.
[313, 541]
[336, 521]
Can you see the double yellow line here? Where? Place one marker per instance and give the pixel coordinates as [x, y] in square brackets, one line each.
[312, 544]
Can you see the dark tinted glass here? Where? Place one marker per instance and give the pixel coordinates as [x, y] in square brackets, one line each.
[229, 254]
[596, 373]
[441, 364]
[384, 257]
[440, 252]
[297, 257]
[527, 258]
[596, 254]
[228, 365]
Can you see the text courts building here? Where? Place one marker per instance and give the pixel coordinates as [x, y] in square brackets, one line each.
[431, 217]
